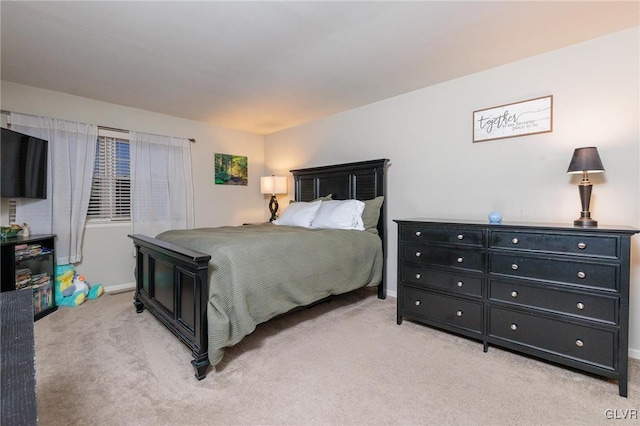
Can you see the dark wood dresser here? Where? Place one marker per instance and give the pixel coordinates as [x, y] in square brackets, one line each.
[553, 291]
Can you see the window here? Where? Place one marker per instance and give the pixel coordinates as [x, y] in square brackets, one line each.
[110, 188]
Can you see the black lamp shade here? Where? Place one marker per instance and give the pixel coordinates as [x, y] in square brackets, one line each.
[585, 160]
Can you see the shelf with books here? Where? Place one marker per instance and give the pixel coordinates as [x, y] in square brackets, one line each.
[31, 251]
[42, 293]
[28, 264]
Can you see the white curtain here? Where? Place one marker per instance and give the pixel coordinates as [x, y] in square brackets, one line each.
[71, 154]
[161, 183]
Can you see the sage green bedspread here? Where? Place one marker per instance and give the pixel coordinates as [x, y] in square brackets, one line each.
[257, 272]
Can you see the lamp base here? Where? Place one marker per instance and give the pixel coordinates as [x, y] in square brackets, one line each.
[585, 221]
[273, 208]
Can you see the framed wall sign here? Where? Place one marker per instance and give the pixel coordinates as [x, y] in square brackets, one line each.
[516, 119]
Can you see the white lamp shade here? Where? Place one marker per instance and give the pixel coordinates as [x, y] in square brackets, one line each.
[273, 185]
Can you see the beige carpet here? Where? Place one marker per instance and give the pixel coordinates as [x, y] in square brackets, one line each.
[346, 362]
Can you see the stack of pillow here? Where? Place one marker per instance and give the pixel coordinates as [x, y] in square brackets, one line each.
[325, 213]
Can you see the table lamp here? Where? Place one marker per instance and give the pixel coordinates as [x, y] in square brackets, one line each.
[273, 185]
[585, 161]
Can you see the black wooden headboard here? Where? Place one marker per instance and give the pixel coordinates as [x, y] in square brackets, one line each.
[363, 180]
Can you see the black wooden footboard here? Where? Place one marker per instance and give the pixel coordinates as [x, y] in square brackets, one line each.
[172, 284]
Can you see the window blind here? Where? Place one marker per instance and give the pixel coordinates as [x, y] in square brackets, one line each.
[12, 211]
[110, 188]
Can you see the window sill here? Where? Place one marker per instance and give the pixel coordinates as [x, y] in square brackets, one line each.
[97, 224]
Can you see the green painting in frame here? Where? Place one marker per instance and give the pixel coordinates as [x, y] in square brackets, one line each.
[231, 169]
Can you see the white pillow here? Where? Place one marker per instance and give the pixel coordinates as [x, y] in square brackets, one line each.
[345, 214]
[298, 214]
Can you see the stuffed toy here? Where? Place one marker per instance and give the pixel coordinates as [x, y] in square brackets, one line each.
[63, 285]
[72, 289]
[92, 291]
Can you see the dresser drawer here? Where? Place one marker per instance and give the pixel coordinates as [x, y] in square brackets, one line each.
[578, 342]
[460, 313]
[447, 281]
[443, 256]
[462, 236]
[584, 305]
[596, 275]
[603, 246]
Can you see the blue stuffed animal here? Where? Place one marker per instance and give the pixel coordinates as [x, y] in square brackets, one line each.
[71, 289]
[92, 291]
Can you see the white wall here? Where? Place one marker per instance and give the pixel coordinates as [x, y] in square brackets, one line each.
[107, 252]
[437, 172]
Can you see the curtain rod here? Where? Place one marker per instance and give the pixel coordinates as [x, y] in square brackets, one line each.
[113, 129]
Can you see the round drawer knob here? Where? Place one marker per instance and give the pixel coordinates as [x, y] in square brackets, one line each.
[418, 276]
[580, 306]
[460, 260]
[460, 283]
[459, 313]
[514, 326]
[579, 343]
[514, 241]
[418, 233]
[417, 303]
[582, 246]
[418, 254]
[581, 275]
[514, 294]
[460, 236]
[514, 267]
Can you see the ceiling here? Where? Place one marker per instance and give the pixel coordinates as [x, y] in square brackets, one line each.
[264, 66]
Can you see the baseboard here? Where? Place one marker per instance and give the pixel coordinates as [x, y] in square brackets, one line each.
[392, 293]
[120, 288]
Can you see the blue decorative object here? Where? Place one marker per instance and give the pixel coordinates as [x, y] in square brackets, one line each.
[495, 217]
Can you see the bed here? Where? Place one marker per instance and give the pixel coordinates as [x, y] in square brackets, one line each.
[212, 286]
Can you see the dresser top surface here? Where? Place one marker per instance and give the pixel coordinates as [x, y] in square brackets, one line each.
[528, 225]
[19, 239]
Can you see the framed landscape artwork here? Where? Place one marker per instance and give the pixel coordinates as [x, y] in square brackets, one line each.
[230, 169]
[516, 119]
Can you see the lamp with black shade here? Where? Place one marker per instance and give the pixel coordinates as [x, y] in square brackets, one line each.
[585, 160]
[273, 185]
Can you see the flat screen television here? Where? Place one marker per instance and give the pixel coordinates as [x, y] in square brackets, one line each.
[23, 165]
